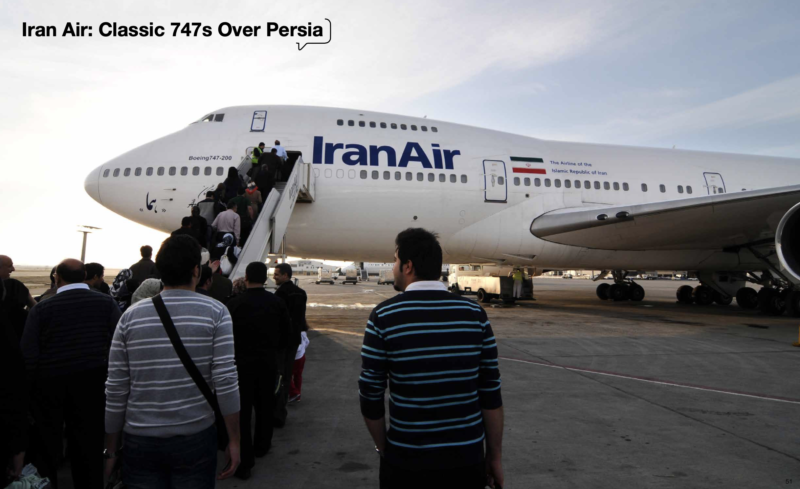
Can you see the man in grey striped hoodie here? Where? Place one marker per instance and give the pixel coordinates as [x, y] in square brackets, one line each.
[166, 424]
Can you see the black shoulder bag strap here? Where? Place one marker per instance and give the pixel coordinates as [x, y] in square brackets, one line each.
[194, 372]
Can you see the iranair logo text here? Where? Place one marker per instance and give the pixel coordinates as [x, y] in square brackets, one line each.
[360, 155]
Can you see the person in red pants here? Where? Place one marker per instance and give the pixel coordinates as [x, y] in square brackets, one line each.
[297, 369]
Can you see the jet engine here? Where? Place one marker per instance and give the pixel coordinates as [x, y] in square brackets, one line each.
[787, 242]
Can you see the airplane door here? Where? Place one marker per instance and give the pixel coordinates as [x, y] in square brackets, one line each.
[714, 183]
[494, 181]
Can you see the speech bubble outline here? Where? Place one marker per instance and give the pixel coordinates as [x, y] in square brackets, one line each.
[330, 37]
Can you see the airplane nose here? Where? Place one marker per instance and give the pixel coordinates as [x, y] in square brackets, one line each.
[92, 184]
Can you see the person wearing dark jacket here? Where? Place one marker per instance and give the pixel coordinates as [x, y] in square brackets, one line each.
[269, 163]
[295, 299]
[144, 268]
[13, 400]
[261, 326]
[65, 345]
[200, 226]
[232, 184]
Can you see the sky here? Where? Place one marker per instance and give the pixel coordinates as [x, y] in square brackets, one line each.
[710, 75]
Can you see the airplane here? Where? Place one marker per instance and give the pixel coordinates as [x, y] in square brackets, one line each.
[310, 267]
[360, 177]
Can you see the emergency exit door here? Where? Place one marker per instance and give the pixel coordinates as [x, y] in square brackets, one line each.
[494, 181]
[714, 183]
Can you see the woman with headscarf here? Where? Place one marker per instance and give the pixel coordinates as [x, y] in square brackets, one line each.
[119, 289]
[149, 288]
[232, 184]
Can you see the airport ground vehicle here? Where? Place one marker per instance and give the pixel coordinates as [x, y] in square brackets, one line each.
[386, 277]
[351, 276]
[567, 275]
[487, 282]
[324, 277]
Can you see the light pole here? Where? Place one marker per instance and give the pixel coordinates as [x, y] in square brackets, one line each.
[85, 230]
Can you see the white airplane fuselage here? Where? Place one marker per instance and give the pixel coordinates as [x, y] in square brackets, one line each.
[446, 181]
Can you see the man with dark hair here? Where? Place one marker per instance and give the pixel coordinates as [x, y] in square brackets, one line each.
[144, 268]
[295, 299]
[94, 276]
[53, 289]
[257, 152]
[204, 284]
[228, 222]
[207, 208]
[245, 210]
[261, 325]
[270, 163]
[170, 436]
[65, 345]
[186, 228]
[441, 447]
[221, 286]
[17, 299]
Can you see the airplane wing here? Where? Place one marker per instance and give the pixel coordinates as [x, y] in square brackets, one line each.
[709, 222]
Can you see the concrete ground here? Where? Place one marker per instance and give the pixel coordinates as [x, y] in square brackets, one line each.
[597, 394]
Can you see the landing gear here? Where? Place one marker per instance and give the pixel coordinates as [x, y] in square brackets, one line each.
[772, 301]
[685, 294]
[747, 298]
[621, 290]
[722, 300]
[703, 295]
[793, 303]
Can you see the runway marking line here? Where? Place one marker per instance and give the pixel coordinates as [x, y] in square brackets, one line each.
[657, 381]
[337, 331]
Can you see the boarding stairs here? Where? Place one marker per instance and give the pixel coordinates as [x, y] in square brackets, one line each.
[267, 238]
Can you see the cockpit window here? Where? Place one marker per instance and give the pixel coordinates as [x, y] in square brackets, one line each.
[208, 118]
[219, 117]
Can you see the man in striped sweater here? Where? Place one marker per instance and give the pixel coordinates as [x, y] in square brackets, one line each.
[439, 355]
[170, 439]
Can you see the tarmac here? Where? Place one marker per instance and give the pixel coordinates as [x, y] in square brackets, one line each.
[596, 394]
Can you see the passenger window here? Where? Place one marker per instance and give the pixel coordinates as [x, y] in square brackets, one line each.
[577, 184]
[644, 187]
[413, 127]
[138, 172]
[387, 175]
[351, 123]
[606, 186]
[501, 180]
[434, 129]
[127, 172]
[431, 177]
[409, 176]
[397, 175]
[172, 170]
[376, 174]
[106, 172]
[196, 170]
[587, 184]
[424, 128]
[362, 124]
[516, 181]
[663, 188]
[527, 182]
[160, 171]
[567, 184]
[116, 172]
[328, 173]
[558, 183]
[394, 126]
[219, 117]
[207, 171]
[442, 178]
[383, 125]
[339, 122]
[616, 186]
[625, 187]
[463, 179]
[363, 174]
[537, 182]
[339, 173]
[452, 179]
[403, 127]
[420, 177]
[688, 189]
[680, 189]
[372, 125]
[547, 182]
[184, 170]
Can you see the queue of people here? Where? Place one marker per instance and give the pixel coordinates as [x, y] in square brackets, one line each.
[87, 362]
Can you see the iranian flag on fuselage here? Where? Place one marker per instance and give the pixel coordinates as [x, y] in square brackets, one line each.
[524, 164]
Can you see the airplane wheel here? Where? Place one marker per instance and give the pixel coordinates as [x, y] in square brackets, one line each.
[484, 297]
[771, 301]
[684, 294]
[602, 291]
[722, 300]
[747, 298]
[793, 303]
[703, 295]
[618, 292]
[636, 293]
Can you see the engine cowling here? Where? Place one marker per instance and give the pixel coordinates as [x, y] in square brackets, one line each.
[787, 242]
